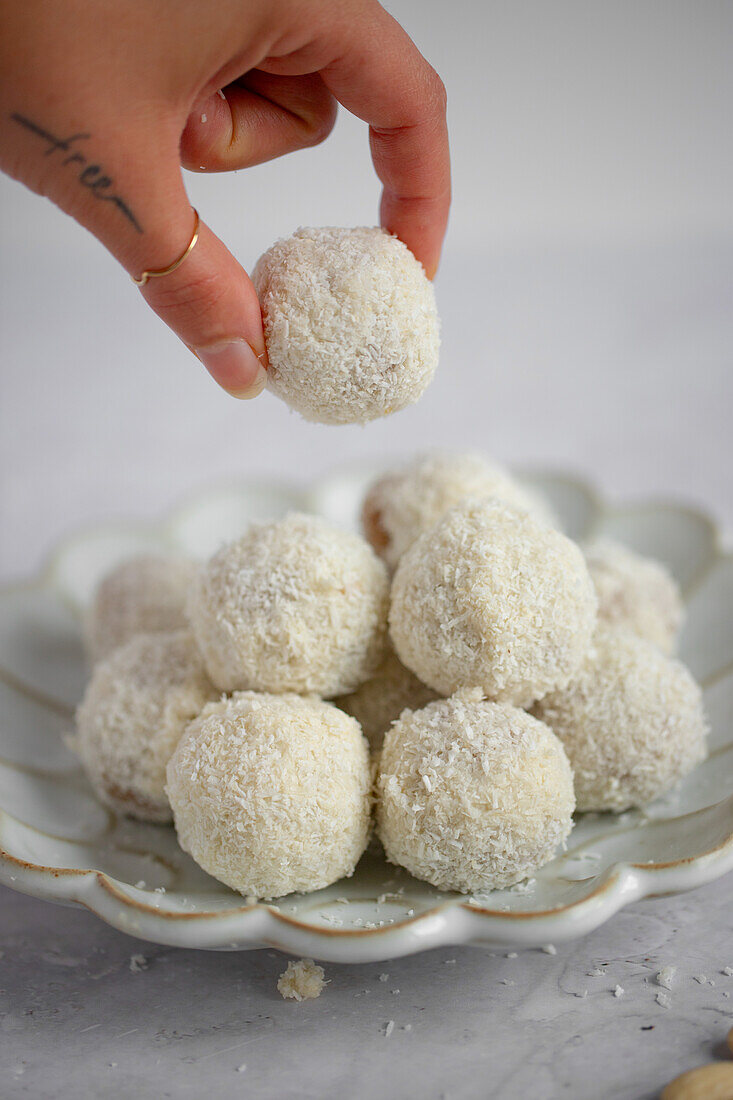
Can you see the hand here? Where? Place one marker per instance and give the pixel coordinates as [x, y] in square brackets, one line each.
[101, 103]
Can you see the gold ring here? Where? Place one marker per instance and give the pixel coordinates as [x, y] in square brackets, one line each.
[142, 280]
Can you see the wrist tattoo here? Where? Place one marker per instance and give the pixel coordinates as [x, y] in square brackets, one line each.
[89, 175]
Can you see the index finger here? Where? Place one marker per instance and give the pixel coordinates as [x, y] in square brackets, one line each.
[382, 77]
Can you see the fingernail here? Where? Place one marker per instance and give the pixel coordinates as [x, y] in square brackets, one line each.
[235, 366]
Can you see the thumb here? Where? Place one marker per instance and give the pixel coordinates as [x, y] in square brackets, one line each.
[209, 302]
